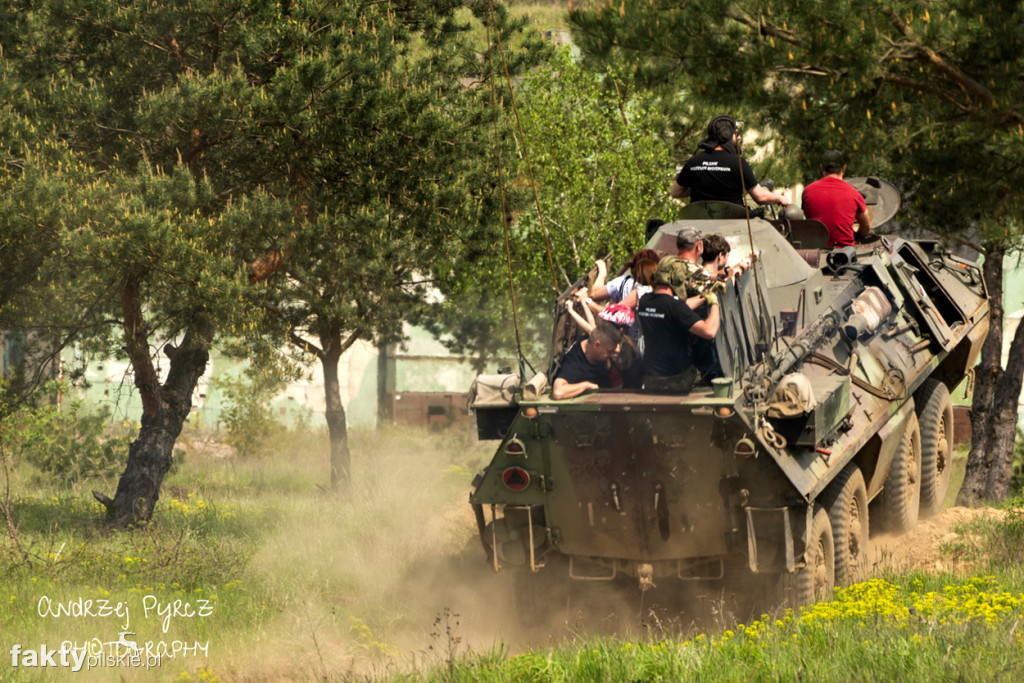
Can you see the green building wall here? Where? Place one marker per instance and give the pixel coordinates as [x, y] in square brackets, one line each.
[421, 365]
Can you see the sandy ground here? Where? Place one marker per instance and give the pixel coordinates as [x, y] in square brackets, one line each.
[921, 548]
[456, 604]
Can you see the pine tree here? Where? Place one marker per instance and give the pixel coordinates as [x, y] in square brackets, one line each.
[260, 170]
[926, 94]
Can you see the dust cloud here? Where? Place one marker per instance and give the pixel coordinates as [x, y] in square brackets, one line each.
[487, 601]
[921, 549]
[391, 576]
[520, 611]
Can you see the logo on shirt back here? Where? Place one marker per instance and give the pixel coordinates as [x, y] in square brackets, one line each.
[710, 166]
[650, 313]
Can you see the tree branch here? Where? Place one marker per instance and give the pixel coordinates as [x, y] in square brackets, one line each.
[949, 69]
[921, 86]
[352, 339]
[964, 242]
[307, 346]
[806, 70]
[765, 29]
[266, 264]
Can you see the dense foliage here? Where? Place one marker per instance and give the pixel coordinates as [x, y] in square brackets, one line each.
[66, 442]
[175, 172]
[593, 168]
[926, 94]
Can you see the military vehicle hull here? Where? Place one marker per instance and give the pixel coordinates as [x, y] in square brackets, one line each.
[715, 483]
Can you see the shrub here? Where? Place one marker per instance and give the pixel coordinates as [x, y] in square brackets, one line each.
[248, 416]
[68, 442]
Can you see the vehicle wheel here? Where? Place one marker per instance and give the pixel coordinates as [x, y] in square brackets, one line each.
[815, 580]
[900, 500]
[846, 501]
[935, 414]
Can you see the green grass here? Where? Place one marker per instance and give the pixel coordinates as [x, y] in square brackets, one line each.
[540, 15]
[920, 629]
[551, 14]
[299, 581]
[387, 582]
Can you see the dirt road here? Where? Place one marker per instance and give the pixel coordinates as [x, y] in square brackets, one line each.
[921, 548]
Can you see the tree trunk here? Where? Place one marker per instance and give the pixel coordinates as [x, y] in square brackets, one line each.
[330, 352]
[164, 408]
[1004, 420]
[150, 455]
[986, 373]
[385, 384]
[994, 406]
[337, 428]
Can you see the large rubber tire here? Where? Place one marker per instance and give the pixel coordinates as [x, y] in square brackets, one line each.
[815, 580]
[935, 413]
[900, 501]
[846, 501]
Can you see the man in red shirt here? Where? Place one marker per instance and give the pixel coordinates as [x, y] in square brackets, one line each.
[836, 203]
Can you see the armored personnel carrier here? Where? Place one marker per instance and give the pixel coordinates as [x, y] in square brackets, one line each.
[833, 419]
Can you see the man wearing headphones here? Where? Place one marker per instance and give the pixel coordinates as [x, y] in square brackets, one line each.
[713, 173]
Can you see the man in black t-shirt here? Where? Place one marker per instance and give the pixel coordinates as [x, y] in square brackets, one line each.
[585, 365]
[714, 172]
[667, 325]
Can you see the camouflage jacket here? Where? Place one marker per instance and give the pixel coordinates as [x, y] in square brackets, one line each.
[688, 279]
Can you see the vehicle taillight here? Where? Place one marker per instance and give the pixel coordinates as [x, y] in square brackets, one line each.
[515, 478]
[515, 447]
[744, 447]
